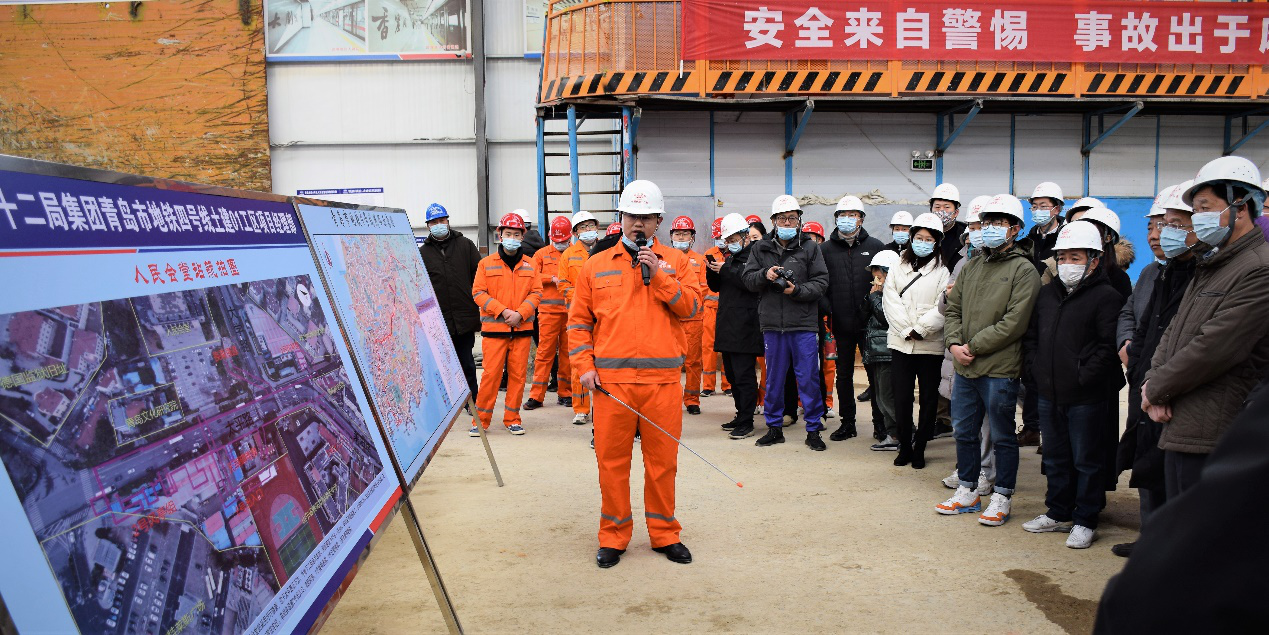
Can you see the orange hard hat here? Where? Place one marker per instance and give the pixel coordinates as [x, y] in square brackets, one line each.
[614, 229]
[682, 223]
[813, 227]
[752, 218]
[717, 228]
[561, 229]
[511, 221]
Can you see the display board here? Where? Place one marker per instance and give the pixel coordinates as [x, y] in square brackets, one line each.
[185, 445]
[338, 30]
[384, 297]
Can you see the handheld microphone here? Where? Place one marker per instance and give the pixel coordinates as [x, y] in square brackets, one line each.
[642, 241]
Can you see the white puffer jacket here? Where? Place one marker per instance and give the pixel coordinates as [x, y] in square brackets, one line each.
[917, 309]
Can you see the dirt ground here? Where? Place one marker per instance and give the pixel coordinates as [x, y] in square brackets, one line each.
[835, 541]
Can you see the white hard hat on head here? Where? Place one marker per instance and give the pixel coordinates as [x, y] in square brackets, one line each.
[641, 197]
[975, 209]
[1106, 218]
[734, 223]
[785, 203]
[1156, 206]
[1085, 203]
[1006, 204]
[946, 192]
[582, 217]
[885, 258]
[1048, 189]
[524, 214]
[1231, 170]
[929, 221]
[1080, 234]
[849, 203]
[1174, 198]
[901, 218]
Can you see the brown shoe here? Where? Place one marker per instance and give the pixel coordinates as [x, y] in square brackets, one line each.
[1028, 437]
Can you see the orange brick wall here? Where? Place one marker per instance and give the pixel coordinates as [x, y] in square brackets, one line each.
[176, 90]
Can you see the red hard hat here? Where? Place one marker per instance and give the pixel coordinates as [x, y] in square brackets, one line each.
[511, 221]
[682, 223]
[561, 229]
[717, 228]
[614, 229]
[813, 227]
[752, 218]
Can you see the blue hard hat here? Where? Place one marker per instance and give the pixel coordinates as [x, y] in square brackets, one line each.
[435, 211]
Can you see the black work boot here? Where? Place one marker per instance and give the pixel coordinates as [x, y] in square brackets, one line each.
[532, 404]
[814, 442]
[918, 449]
[905, 446]
[773, 436]
[846, 431]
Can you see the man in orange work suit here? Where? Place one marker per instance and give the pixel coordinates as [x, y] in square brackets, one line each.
[552, 317]
[586, 230]
[682, 235]
[626, 336]
[508, 291]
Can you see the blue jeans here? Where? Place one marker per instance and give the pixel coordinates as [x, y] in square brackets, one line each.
[995, 399]
[1073, 452]
[801, 351]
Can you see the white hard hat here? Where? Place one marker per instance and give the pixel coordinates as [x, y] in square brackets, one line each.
[1229, 170]
[1006, 204]
[641, 197]
[849, 203]
[1174, 198]
[1106, 217]
[734, 223]
[785, 203]
[975, 209]
[885, 258]
[929, 221]
[901, 218]
[1080, 234]
[524, 215]
[582, 217]
[1048, 189]
[1087, 202]
[1156, 207]
[946, 192]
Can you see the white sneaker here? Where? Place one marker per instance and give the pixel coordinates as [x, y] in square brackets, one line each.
[1043, 524]
[473, 432]
[1081, 537]
[962, 502]
[984, 485]
[829, 414]
[579, 419]
[997, 511]
[758, 410]
[954, 481]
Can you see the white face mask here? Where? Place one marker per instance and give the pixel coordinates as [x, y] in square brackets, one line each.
[1071, 275]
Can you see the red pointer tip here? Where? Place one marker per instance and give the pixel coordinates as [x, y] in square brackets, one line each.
[739, 484]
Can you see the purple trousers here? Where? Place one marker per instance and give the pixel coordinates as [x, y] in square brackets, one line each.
[799, 351]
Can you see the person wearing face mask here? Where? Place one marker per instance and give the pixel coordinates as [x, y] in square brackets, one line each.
[509, 292]
[945, 202]
[900, 231]
[1217, 347]
[1139, 446]
[910, 297]
[552, 317]
[828, 366]
[847, 254]
[1070, 347]
[712, 361]
[682, 236]
[787, 270]
[1046, 218]
[451, 260]
[737, 337]
[586, 230]
[532, 240]
[988, 311]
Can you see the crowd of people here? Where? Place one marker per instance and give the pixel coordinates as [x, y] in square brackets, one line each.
[962, 317]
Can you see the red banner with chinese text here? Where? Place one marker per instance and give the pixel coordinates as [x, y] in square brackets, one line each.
[1145, 32]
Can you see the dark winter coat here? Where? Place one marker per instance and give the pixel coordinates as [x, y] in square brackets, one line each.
[849, 280]
[1134, 311]
[778, 311]
[875, 350]
[951, 244]
[451, 264]
[989, 310]
[736, 330]
[531, 242]
[1070, 344]
[1042, 245]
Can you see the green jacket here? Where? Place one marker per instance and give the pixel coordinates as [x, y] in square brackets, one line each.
[989, 308]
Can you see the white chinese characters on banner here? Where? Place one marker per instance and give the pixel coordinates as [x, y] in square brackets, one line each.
[814, 29]
[863, 27]
[961, 28]
[1187, 33]
[763, 25]
[1010, 29]
[912, 30]
[1138, 33]
[1231, 32]
[1092, 30]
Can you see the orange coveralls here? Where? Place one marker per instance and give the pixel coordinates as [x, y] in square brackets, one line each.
[632, 336]
[711, 361]
[692, 328]
[552, 316]
[571, 262]
[496, 289]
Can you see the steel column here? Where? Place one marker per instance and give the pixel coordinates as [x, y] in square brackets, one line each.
[574, 178]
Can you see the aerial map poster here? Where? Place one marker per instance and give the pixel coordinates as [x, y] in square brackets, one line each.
[185, 446]
[385, 299]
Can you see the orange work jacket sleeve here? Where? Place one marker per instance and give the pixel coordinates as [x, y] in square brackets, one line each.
[571, 262]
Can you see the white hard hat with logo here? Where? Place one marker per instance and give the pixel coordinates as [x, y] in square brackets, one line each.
[1047, 189]
[946, 192]
[582, 217]
[1006, 204]
[1156, 206]
[734, 223]
[1229, 171]
[1085, 203]
[885, 258]
[975, 209]
[930, 221]
[849, 203]
[1174, 198]
[901, 218]
[785, 203]
[1106, 218]
[641, 197]
[1080, 234]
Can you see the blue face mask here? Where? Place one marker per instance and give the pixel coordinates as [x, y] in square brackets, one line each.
[511, 245]
[589, 236]
[1172, 241]
[735, 247]
[922, 248]
[994, 237]
[630, 244]
[1041, 216]
[902, 237]
[1161, 261]
[720, 244]
[561, 246]
[847, 224]
[1208, 227]
[976, 238]
[786, 233]
[439, 230]
[682, 245]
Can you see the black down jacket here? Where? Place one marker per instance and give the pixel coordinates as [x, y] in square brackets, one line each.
[451, 263]
[1070, 345]
[778, 311]
[737, 328]
[849, 279]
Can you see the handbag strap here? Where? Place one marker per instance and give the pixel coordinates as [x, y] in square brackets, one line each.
[909, 285]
